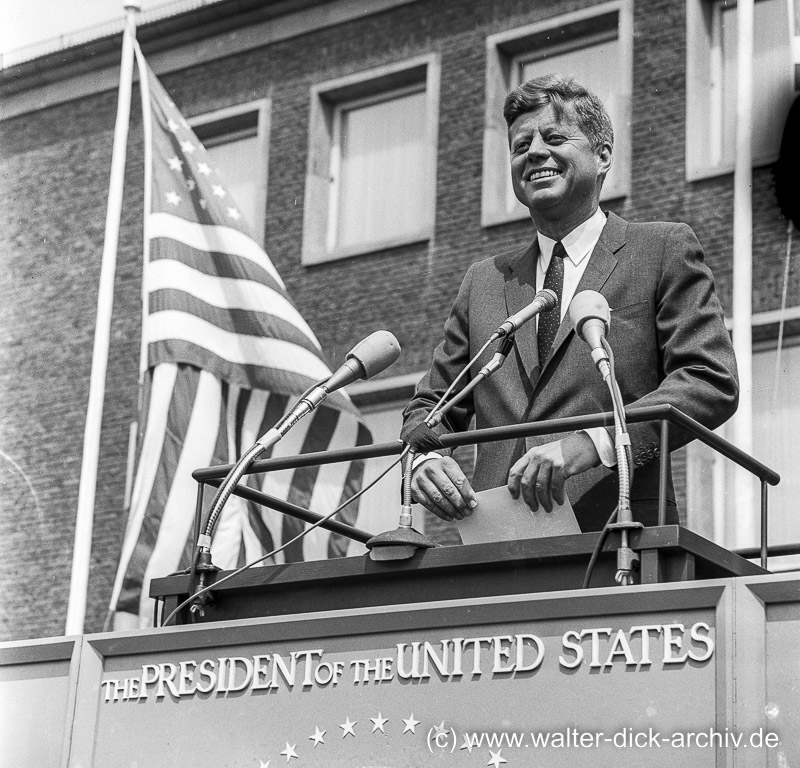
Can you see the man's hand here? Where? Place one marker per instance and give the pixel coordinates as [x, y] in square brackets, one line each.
[540, 474]
[441, 487]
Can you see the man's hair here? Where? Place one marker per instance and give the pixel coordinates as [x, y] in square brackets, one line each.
[560, 92]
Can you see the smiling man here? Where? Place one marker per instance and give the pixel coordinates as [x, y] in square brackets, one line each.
[667, 329]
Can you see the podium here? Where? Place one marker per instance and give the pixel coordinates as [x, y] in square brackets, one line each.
[459, 656]
[667, 553]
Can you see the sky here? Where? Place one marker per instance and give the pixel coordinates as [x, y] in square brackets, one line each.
[26, 22]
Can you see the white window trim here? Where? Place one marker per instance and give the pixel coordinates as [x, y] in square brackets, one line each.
[503, 51]
[327, 101]
[703, 62]
[263, 109]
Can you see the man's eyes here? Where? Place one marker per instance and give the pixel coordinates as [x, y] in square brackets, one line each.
[551, 138]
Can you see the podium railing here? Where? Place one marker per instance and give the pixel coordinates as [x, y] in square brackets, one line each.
[666, 414]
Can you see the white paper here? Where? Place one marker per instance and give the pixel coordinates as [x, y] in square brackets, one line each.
[500, 517]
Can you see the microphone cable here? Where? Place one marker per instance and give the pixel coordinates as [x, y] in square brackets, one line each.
[283, 546]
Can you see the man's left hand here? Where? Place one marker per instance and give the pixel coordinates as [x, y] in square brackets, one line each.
[540, 474]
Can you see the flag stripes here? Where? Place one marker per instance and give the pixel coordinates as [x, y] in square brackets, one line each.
[226, 354]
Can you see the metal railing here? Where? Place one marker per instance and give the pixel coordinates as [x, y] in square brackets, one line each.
[666, 414]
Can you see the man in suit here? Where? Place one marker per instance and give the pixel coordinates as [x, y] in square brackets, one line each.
[667, 329]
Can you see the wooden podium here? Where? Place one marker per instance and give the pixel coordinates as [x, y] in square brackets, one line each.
[668, 554]
[462, 656]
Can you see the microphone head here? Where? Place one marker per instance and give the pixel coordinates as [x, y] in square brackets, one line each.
[589, 305]
[547, 298]
[375, 353]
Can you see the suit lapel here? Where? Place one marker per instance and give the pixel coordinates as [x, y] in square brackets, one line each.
[520, 290]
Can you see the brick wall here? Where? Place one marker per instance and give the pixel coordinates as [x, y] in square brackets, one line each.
[53, 187]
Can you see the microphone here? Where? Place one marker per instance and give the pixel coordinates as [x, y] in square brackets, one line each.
[591, 319]
[367, 358]
[370, 356]
[544, 301]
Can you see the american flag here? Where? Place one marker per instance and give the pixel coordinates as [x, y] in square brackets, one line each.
[225, 354]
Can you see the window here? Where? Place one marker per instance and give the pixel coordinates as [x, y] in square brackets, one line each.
[712, 80]
[371, 176]
[594, 47]
[237, 141]
[776, 420]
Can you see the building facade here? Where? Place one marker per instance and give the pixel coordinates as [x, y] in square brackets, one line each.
[364, 141]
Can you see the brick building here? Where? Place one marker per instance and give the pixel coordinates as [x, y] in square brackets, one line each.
[296, 99]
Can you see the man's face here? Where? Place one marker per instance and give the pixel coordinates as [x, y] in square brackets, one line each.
[554, 170]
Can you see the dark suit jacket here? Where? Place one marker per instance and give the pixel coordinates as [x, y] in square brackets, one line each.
[669, 341]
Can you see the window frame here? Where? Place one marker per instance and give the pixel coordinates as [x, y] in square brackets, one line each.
[235, 120]
[704, 73]
[504, 53]
[328, 101]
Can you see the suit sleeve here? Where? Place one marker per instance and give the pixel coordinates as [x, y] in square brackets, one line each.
[697, 364]
[449, 359]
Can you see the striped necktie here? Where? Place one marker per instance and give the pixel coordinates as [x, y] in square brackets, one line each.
[549, 321]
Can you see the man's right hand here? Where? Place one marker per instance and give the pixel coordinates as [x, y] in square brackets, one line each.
[441, 487]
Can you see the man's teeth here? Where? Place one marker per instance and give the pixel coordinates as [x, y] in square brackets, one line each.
[542, 174]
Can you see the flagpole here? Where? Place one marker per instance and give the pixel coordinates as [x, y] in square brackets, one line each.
[81, 556]
[746, 529]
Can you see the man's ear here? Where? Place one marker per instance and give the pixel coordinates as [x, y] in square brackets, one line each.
[605, 158]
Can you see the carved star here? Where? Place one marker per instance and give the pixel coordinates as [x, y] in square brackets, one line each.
[410, 724]
[440, 729]
[263, 764]
[378, 723]
[290, 753]
[347, 727]
[466, 745]
[496, 758]
[318, 737]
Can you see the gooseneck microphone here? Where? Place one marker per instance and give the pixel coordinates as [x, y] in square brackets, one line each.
[591, 319]
[544, 301]
[367, 358]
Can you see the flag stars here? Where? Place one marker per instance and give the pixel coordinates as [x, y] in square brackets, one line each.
[218, 191]
[347, 727]
[188, 147]
[378, 723]
[203, 203]
[318, 737]
[204, 168]
[173, 198]
[234, 214]
[175, 163]
[410, 724]
[173, 126]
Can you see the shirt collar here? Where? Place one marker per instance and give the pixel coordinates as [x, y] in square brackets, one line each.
[579, 243]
